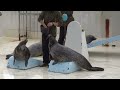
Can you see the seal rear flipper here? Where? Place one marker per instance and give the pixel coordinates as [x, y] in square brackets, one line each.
[96, 69]
[8, 56]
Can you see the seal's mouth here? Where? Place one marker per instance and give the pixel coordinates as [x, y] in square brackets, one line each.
[95, 38]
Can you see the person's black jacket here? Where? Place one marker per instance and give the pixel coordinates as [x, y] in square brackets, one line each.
[50, 16]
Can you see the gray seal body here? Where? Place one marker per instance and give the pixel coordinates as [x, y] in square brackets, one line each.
[21, 52]
[35, 50]
[62, 53]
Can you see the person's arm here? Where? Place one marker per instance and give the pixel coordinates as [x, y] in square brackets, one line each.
[41, 18]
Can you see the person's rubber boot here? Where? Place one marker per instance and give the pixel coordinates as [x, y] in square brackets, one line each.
[44, 65]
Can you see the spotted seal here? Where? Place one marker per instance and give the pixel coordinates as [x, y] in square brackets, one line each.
[62, 53]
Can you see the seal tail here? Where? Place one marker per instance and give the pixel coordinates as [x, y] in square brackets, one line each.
[84, 63]
[96, 69]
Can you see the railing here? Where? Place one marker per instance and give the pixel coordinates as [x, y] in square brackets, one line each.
[28, 24]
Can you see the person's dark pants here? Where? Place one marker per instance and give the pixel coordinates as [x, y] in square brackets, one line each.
[62, 35]
[45, 42]
[45, 49]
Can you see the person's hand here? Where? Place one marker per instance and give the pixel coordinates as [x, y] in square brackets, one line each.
[42, 23]
[49, 24]
[45, 26]
[55, 23]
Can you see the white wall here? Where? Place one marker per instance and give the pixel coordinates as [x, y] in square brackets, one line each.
[90, 21]
[93, 22]
[114, 17]
[8, 23]
[33, 26]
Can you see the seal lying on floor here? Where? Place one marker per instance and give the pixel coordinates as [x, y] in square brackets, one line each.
[90, 38]
[21, 52]
[35, 50]
[62, 53]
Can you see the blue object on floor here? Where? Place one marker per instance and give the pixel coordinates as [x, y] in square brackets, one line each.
[63, 67]
[104, 41]
[21, 64]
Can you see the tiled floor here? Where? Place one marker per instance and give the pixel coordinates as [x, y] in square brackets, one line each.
[106, 57]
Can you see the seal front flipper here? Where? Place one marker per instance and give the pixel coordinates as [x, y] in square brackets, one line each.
[55, 62]
[14, 61]
[26, 63]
